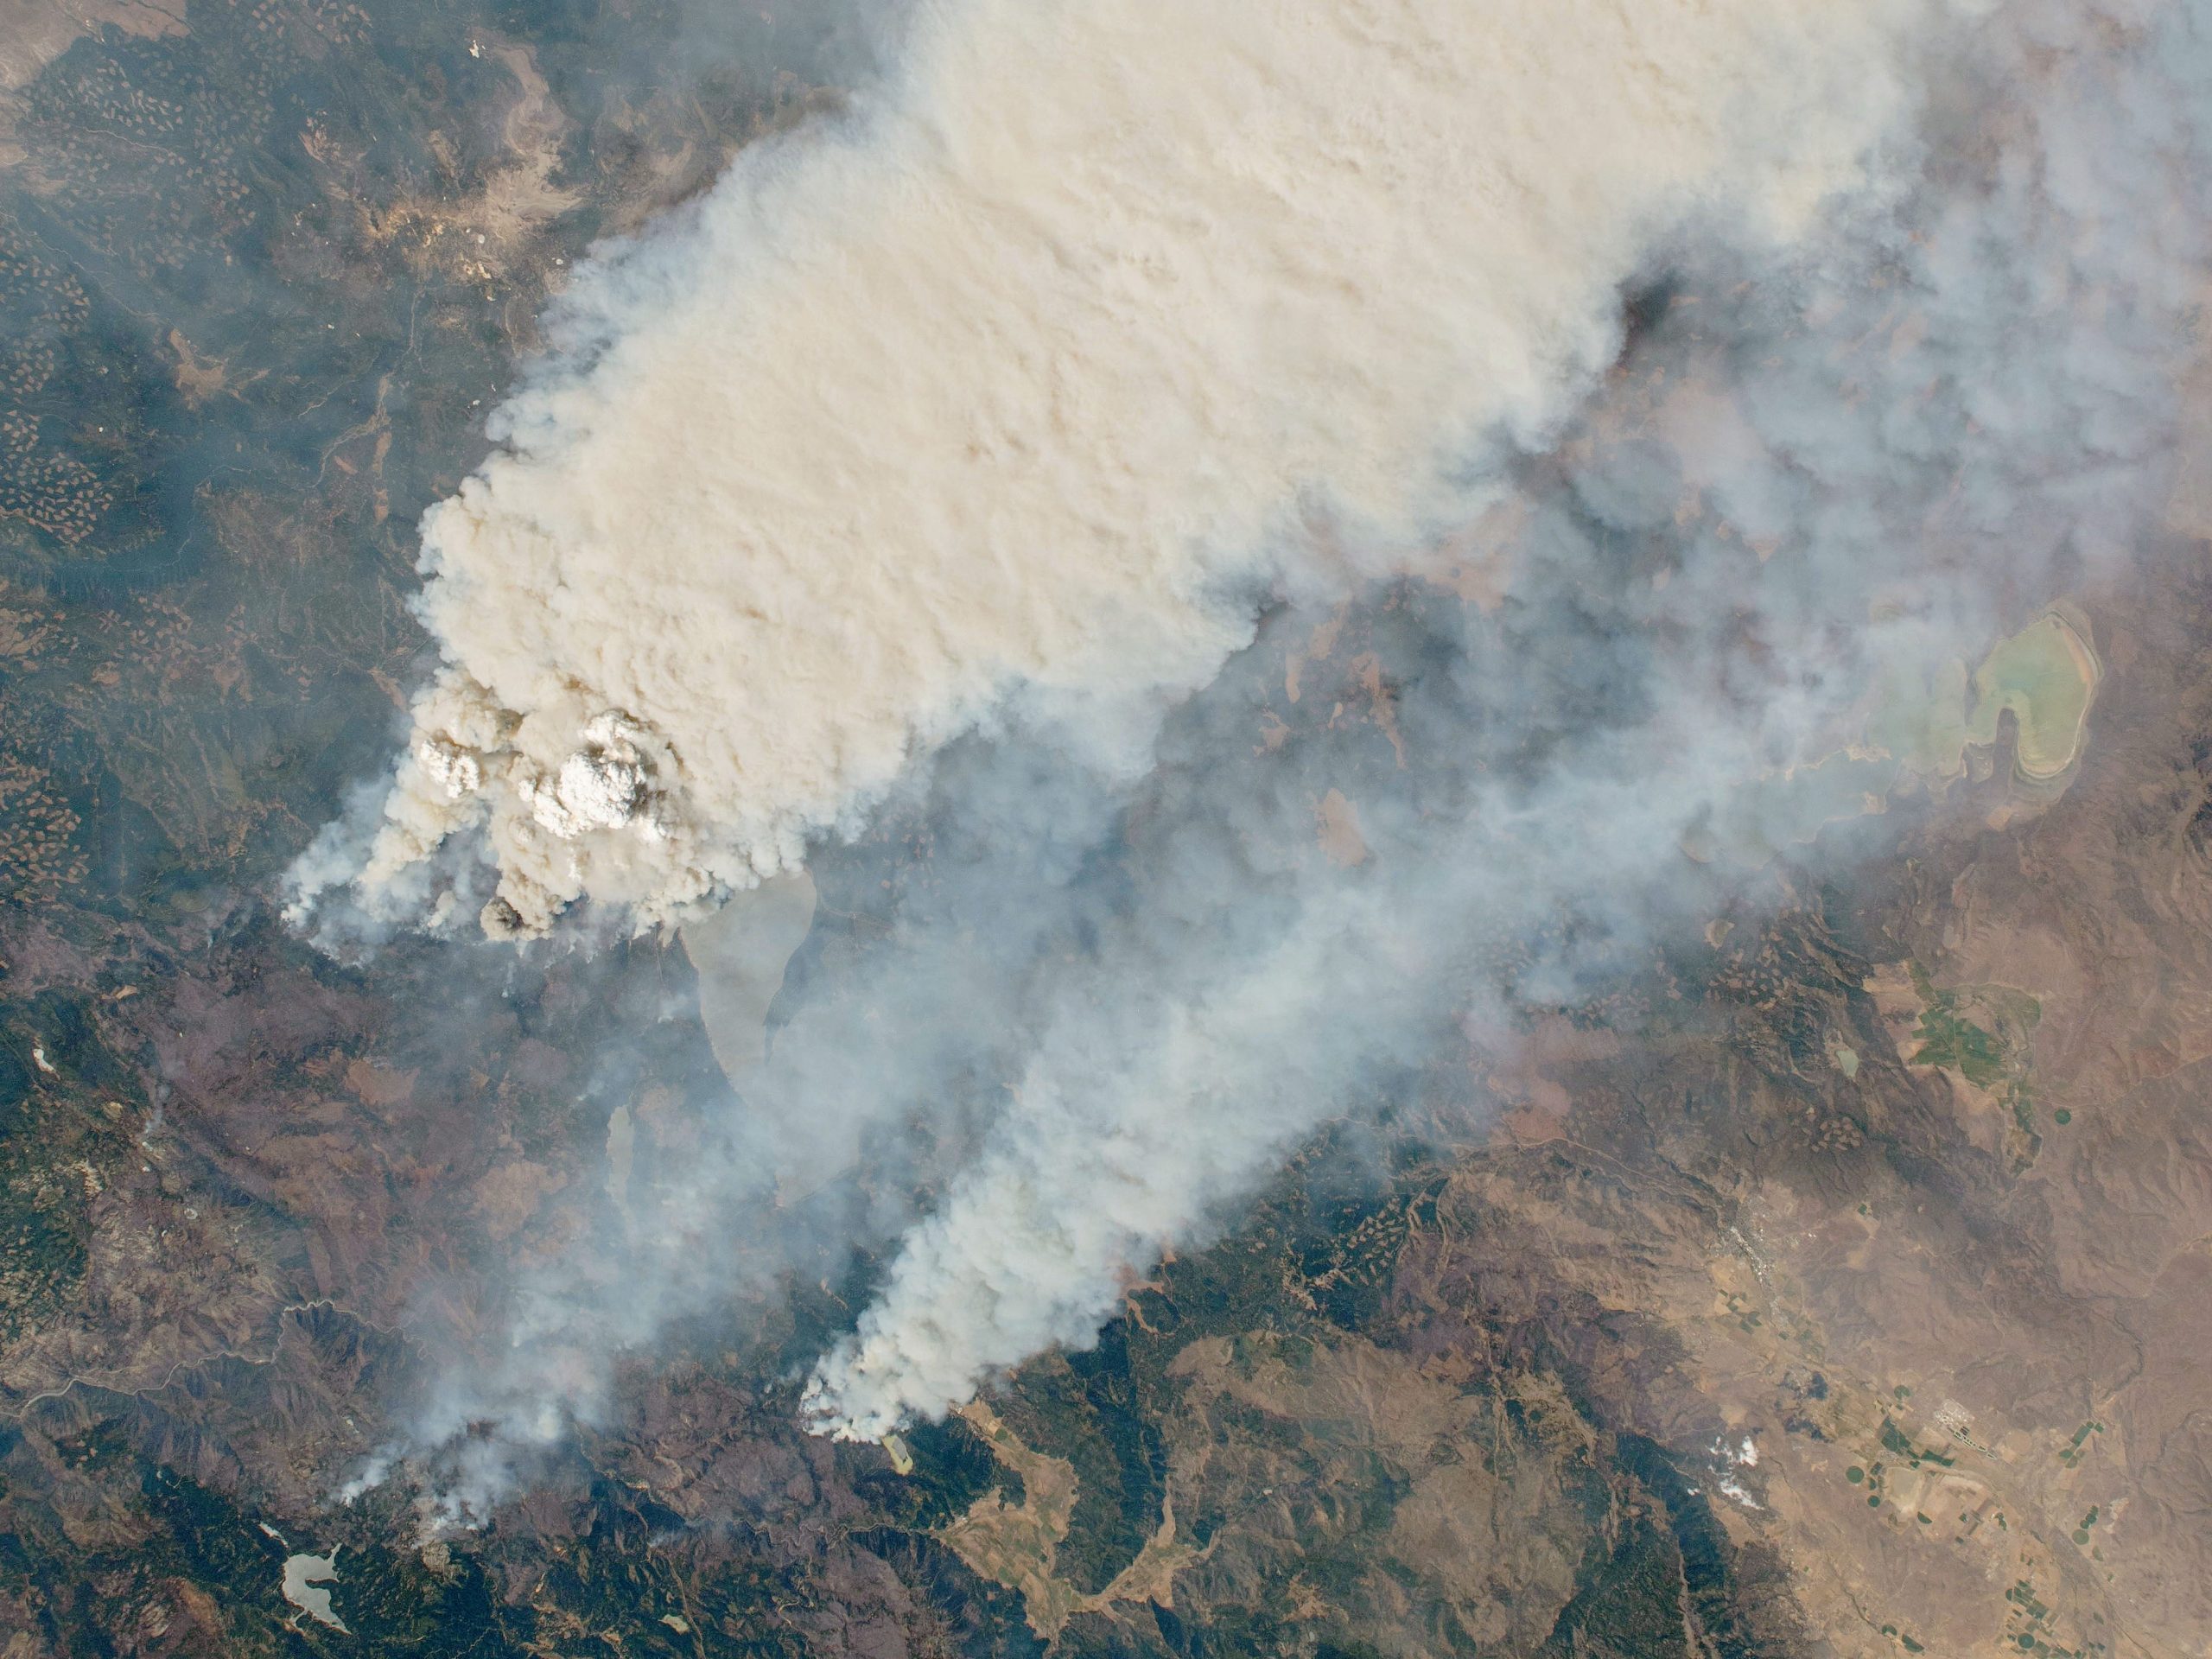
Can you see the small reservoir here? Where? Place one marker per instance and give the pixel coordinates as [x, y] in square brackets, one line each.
[304, 1577]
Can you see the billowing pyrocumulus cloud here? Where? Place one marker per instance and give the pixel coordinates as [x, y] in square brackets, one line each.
[1032, 373]
[982, 427]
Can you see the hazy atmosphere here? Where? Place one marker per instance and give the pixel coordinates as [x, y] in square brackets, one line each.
[1370, 828]
[996, 411]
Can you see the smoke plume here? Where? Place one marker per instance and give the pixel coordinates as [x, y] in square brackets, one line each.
[1034, 371]
[938, 467]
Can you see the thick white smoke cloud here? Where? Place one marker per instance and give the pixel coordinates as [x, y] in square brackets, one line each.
[1031, 374]
[1961, 402]
[1034, 375]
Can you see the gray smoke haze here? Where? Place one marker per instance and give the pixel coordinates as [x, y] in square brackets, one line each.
[1032, 374]
[1159, 942]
